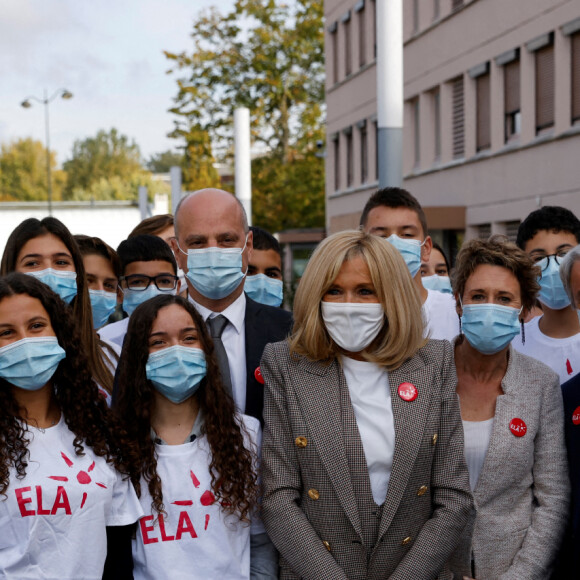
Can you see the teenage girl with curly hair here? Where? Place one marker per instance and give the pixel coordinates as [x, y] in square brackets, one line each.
[191, 457]
[64, 508]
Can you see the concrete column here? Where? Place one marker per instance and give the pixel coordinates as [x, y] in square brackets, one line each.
[527, 95]
[143, 206]
[562, 82]
[242, 159]
[175, 174]
[390, 90]
[497, 111]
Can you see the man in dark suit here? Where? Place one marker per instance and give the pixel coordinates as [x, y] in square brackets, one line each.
[213, 245]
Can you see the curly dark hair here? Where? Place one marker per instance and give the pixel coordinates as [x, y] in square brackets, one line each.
[85, 411]
[234, 481]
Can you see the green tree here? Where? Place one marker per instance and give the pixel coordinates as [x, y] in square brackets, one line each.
[267, 55]
[23, 172]
[107, 166]
[163, 162]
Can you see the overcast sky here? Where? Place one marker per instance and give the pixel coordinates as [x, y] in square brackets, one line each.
[108, 53]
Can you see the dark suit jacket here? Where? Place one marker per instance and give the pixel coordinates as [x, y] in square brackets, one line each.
[263, 324]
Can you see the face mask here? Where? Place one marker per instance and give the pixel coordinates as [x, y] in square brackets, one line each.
[439, 283]
[410, 250]
[103, 305]
[552, 292]
[264, 289]
[132, 298]
[176, 372]
[30, 363]
[489, 328]
[63, 282]
[353, 326]
[215, 272]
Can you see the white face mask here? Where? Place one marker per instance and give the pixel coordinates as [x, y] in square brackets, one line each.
[353, 326]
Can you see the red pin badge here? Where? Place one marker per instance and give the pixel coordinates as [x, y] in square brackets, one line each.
[518, 427]
[258, 375]
[576, 416]
[408, 392]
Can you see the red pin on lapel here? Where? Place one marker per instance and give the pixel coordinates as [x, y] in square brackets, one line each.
[576, 416]
[518, 427]
[408, 392]
[258, 375]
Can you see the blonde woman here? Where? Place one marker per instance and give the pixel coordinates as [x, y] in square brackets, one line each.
[363, 468]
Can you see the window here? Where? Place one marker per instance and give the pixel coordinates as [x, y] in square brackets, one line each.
[333, 29]
[364, 151]
[575, 40]
[456, 5]
[374, 3]
[376, 128]
[483, 131]
[347, 45]
[458, 127]
[415, 16]
[436, 9]
[544, 87]
[349, 157]
[336, 147]
[437, 123]
[484, 231]
[416, 133]
[513, 116]
[362, 33]
[511, 230]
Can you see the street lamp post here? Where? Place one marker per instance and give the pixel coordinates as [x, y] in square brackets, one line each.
[26, 103]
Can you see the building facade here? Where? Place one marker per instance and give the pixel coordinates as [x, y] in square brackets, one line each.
[491, 117]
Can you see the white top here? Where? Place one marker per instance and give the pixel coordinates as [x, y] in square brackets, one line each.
[115, 332]
[53, 521]
[562, 355]
[368, 386]
[234, 339]
[477, 435]
[440, 315]
[195, 540]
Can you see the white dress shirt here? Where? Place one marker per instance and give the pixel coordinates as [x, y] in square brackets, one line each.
[234, 340]
[477, 435]
[368, 386]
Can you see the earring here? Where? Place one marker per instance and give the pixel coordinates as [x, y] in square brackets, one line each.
[460, 329]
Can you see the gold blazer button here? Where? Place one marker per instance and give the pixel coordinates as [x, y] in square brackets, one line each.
[326, 545]
[422, 490]
[313, 494]
[301, 442]
[406, 541]
[434, 439]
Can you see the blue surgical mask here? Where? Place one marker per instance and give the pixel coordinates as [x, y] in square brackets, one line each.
[439, 283]
[215, 272]
[552, 292]
[103, 305]
[489, 328]
[133, 298]
[176, 372]
[410, 250]
[264, 289]
[63, 282]
[30, 363]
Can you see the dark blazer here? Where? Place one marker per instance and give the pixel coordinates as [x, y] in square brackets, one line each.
[309, 504]
[263, 324]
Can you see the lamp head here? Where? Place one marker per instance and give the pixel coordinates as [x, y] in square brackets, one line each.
[26, 104]
[66, 94]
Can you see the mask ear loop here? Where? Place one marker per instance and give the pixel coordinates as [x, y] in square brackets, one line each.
[459, 316]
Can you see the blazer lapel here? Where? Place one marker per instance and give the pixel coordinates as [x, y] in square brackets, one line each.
[409, 417]
[320, 403]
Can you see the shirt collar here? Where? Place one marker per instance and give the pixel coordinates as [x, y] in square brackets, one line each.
[235, 312]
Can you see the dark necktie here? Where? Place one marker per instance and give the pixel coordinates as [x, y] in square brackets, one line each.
[216, 327]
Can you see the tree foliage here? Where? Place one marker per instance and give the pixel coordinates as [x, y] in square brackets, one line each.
[163, 162]
[267, 55]
[107, 166]
[23, 175]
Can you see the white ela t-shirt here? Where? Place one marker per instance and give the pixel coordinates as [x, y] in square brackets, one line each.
[195, 540]
[440, 315]
[52, 522]
[562, 355]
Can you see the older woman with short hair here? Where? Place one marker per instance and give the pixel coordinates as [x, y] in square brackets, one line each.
[363, 468]
[511, 406]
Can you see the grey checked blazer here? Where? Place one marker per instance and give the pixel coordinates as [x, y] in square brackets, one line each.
[522, 495]
[319, 536]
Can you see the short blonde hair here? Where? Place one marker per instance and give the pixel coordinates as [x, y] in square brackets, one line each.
[403, 332]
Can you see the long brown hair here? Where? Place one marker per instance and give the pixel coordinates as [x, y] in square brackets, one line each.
[85, 411]
[233, 479]
[81, 305]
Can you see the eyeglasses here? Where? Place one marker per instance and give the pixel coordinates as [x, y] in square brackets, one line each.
[558, 257]
[140, 282]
